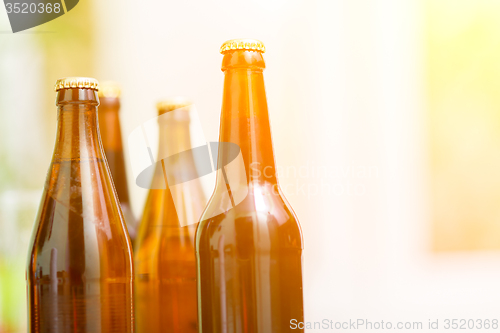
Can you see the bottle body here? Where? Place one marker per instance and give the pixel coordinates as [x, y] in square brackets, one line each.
[250, 257]
[250, 266]
[165, 280]
[164, 251]
[111, 135]
[79, 270]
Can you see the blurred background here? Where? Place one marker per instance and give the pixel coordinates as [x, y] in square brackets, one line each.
[386, 126]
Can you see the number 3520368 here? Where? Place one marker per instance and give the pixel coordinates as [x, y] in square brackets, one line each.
[27, 8]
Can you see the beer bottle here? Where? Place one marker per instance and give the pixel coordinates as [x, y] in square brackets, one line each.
[79, 271]
[250, 257]
[111, 135]
[164, 256]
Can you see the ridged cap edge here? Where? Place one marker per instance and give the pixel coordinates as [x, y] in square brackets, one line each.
[243, 44]
[76, 82]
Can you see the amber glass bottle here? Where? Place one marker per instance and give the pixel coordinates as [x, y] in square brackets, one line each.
[164, 256]
[111, 135]
[250, 257]
[79, 271]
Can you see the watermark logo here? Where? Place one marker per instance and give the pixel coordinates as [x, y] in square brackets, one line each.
[161, 159]
[26, 14]
[184, 165]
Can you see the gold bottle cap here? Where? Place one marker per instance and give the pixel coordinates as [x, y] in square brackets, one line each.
[77, 82]
[172, 104]
[243, 44]
[109, 89]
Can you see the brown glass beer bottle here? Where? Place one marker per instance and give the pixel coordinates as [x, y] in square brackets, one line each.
[111, 136]
[164, 256]
[79, 271]
[250, 257]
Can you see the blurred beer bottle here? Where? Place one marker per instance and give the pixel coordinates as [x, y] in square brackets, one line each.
[164, 256]
[250, 257]
[79, 271]
[111, 135]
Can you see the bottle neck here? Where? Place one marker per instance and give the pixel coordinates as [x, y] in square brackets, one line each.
[111, 136]
[245, 118]
[77, 126]
[109, 124]
[174, 142]
[174, 137]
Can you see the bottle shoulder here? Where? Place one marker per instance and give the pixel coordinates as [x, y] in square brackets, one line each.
[80, 219]
[263, 216]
